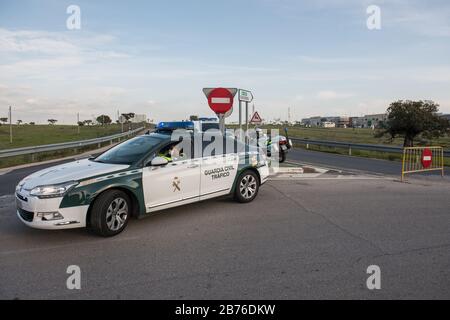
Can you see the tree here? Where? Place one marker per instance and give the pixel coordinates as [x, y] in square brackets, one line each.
[4, 120]
[52, 121]
[80, 123]
[103, 119]
[128, 116]
[32, 123]
[19, 122]
[410, 119]
[87, 122]
[193, 118]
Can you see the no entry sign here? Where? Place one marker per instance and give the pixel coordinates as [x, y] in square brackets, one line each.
[427, 158]
[220, 100]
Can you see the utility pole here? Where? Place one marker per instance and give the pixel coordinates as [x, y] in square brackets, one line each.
[10, 125]
[120, 120]
[78, 122]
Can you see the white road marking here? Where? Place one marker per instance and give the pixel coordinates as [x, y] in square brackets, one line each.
[220, 100]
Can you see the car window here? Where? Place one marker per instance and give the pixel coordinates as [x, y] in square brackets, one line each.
[176, 151]
[130, 151]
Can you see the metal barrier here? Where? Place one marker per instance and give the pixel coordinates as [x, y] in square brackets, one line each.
[354, 146]
[422, 159]
[67, 145]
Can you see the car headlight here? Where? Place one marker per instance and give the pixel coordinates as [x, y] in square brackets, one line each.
[52, 191]
[20, 185]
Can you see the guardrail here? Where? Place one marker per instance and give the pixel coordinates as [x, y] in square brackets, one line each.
[355, 146]
[66, 145]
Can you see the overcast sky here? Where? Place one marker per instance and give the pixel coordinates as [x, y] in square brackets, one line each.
[154, 57]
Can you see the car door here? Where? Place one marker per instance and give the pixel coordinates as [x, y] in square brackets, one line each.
[171, 184]
[218, 169]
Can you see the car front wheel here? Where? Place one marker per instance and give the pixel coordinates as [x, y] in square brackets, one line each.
[110, 213]
[247, 186]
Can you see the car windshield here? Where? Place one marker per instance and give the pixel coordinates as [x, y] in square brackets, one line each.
[130, 151]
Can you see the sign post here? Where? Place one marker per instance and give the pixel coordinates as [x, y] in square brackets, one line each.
[220, 100]
[246, 96]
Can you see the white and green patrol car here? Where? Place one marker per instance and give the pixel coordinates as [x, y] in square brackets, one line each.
[135, 179]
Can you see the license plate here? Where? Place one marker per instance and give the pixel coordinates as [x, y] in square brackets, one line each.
[283, 147]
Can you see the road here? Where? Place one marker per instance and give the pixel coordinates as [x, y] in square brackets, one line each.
[303, 238]
[332, 160]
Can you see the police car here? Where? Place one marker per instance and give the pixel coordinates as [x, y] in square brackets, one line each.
[138, 177]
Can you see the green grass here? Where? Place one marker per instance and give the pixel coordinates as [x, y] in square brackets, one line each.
[354, 136]
[33, 135]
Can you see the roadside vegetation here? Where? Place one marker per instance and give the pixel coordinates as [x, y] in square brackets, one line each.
[32, 135]
[409, 123]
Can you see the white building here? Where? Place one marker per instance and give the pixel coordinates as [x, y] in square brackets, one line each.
[328, 124]
[138, 118]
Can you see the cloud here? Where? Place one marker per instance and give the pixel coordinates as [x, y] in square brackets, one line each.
[333, 95]
[331, 60]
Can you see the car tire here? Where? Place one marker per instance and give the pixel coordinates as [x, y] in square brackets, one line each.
[247, 186]
[282, 157]
[110, 213]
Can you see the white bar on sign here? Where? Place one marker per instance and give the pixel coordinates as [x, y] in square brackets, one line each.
[220, 100]
[427, 158]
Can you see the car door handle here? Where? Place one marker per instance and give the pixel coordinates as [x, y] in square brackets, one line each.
[193, 166]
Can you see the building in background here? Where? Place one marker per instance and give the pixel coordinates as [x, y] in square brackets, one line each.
[374, 120]
[356, 122]
[343, 122]
[368, 121]
[328, 124]
[312, 122]
[138, 118]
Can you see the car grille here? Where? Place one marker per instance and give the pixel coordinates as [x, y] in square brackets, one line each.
[26, 215]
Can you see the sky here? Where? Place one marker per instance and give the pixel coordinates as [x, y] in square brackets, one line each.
[154, 57]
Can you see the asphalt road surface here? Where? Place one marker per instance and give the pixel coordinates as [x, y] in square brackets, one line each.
[374, 166]
[301, 238]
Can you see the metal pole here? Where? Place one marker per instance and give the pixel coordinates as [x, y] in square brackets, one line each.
[240, 119]
[10, 125]
[246, 116]
[222, 123]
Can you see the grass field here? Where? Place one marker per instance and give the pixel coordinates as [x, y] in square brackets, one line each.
[354, 135]
[33, 135]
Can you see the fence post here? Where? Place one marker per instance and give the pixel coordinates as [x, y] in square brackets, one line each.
[349, 150]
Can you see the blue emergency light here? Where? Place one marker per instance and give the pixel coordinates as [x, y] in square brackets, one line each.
[174, 125]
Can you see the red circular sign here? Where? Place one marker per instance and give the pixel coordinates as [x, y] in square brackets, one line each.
[220, 100]
[427, 158]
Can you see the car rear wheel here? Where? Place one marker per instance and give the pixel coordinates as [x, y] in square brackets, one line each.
[247, 186]
[110, 213]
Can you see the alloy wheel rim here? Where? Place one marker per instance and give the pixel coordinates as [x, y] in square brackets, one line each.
[117, 214]
[248, 186]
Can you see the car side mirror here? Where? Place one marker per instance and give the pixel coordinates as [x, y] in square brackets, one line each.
[158, 161]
